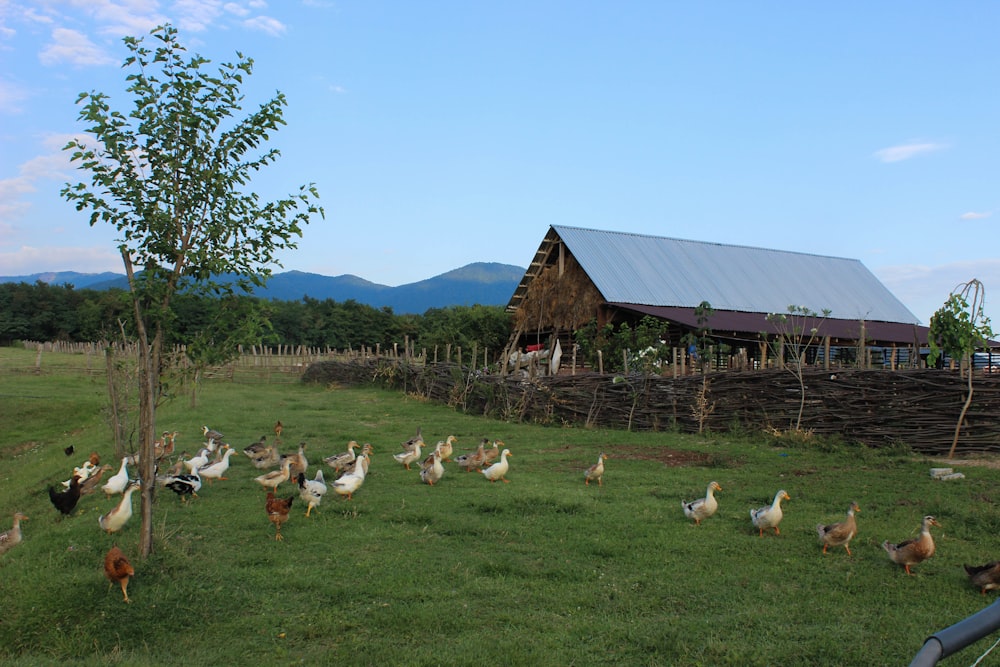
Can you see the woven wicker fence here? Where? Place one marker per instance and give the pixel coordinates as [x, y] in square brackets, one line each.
[918, 408]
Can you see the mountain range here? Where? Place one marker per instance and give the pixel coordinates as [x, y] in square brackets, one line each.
[482, 283]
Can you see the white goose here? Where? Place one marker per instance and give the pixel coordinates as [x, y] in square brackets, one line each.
[499, 469]
[117, 482]
[116, 519]
[218, 469]
[769, 516]
[702, 508]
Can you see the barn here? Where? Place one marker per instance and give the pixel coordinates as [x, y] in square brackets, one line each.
[579, 276]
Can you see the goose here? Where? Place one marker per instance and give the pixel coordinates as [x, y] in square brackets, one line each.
[433, 471]
[212, 435]
[115, 520]
[298, 461]
[184, 484]
[702, 508]
[348, 485]
[769, 516]
[271, 480]
[199, 461]
[11, 538]
[218, 469]
[473, 460]
[117, 482]
[912, 552]
[839, 534]
[342, 461]
[447, 447]
[499, 469]
[596, 471]
[409, 456]
[985, 577]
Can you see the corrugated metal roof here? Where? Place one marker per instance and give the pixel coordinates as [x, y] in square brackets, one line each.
[660, 271]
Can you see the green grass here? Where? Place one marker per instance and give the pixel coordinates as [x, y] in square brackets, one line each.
[541, 571]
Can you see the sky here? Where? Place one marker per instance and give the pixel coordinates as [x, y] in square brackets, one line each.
[442, 133]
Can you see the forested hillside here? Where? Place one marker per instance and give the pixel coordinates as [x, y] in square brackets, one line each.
[46, 312]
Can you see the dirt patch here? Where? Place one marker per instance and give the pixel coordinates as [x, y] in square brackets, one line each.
[674, 458]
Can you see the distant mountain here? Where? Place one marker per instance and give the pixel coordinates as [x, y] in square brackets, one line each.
[483, 283]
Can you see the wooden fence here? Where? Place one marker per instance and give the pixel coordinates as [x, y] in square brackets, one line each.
[918, 408]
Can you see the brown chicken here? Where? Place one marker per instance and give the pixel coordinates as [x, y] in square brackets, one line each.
[118, 569]
[277, 511]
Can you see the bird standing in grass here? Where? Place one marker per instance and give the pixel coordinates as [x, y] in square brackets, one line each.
[311, 491]
[840, 534]
[11, 538]
[118, 569]
[595, 472]
[702, 508]
[499, 469]
[432, 469]
[277, 511]
[912, 552]
[115, 520]
[771, 515]
[984, 577]
[65, 501]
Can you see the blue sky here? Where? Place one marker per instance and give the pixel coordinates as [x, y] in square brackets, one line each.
[445, 133]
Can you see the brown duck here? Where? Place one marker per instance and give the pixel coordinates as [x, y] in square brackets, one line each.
[839, 534]
[912, 552]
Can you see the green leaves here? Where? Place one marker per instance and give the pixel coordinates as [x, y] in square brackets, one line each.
[959, 327]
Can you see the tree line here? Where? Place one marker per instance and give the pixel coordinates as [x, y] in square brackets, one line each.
[46, 312]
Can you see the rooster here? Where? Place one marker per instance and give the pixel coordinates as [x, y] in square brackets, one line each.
[118, 569]
[65, 501]
[277, 511]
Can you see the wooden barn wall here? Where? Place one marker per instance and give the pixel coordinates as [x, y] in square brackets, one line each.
[918, 408]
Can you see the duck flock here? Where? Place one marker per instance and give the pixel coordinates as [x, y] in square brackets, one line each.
[186, 475]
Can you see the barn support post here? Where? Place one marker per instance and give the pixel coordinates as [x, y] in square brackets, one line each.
[826, 353]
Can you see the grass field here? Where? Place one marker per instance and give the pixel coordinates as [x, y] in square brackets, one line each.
[541, 571]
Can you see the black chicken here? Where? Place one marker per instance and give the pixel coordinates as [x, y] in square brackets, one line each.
[65, 501]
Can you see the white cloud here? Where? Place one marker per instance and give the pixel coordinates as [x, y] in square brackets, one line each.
[266, 24]
[51, 165]
[28, 260]
[236, 9]
[924, 289]
[71, 46]
[11, 96]
[907, 151]
[197, 15]
[973, 215]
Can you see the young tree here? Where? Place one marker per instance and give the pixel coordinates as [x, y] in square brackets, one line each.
[957, 329]
[796, 331]
[172, 175]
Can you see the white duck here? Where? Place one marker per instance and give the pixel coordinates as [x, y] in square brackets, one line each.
[702, 508]
[769, 516]
[433, 471]
[408, 456]
[218, 469]
[312, 490]
[348, 485]
[117, 482]
[498, 469]
[197, 462]
[116, 519]
[595, 471]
